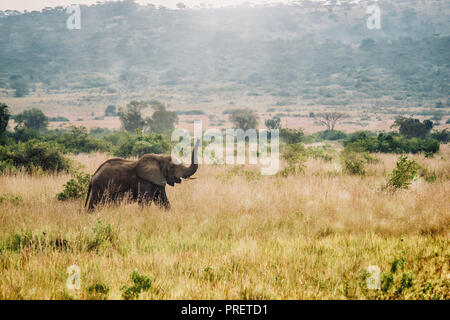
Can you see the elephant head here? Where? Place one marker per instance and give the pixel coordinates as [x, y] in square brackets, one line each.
[161, 169]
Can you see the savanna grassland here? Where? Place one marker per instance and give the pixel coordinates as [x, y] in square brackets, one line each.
[233, 234]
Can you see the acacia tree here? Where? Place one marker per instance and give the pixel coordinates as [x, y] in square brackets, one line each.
[329, 119]
[244, 119]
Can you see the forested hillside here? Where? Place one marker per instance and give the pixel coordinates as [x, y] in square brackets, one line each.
[318, 53]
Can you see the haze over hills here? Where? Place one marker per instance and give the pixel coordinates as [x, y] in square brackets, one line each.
[304, 53]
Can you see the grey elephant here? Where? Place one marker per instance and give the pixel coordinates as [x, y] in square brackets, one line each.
[143, 180]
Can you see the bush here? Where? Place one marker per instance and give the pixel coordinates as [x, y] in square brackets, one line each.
[291, 136]
[33, 154]
[136, 145]
[404, 173]
[101, 234]
[389, 143]
[75, 188]
[77, 140]
[98, 291]
[110, 111]
[441, 136]
[141, 283]
[354, 163]
[331, 135]
[294, 154]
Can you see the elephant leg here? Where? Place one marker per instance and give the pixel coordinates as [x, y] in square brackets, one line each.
[94, 200]
[161, 198]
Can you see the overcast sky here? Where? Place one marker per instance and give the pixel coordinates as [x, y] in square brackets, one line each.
[30, 5]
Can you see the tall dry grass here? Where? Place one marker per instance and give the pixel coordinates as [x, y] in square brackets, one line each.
[310, 236]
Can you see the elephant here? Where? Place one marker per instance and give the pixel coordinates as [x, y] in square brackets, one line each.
[143, 180]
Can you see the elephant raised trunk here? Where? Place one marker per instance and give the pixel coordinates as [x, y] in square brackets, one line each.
[194, 162]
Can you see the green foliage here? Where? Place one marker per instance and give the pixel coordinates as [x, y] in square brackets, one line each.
[319, 152]
[75, 188]
[405, 172]
[110, 111]
[441, 136]
[101, 235]
[295, 155]
[239, 171]
[411, 127]
[136, 145]
[389, 143]
[33, 154]
[190, 112]
[77, 140]
[291, 136]
[162, 121]
[32, 119]
[330, 135]
[141, 283]
[131, 117]
[58, 119]
[354, 163]
[20, 85]
[98, 291]
[4, 117]
[11, 198]
[274, 123]
[244, 119]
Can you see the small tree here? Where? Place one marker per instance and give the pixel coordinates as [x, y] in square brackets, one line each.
[162, 121]
[110, 111]
[411, 127]
[274, 123]
[244, 119]
[131, 117]
[32, 119]
[329, 119]
[20, 86]
[4, 117]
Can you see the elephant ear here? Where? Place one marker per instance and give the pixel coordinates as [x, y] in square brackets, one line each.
[148, 168]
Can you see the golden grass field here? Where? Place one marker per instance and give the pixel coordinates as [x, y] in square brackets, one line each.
[310, 236]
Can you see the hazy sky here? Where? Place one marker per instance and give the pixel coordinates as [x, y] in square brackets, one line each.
[40, 4]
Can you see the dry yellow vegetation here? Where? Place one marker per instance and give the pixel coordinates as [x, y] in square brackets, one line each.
[310, 236]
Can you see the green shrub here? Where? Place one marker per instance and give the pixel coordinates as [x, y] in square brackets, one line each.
[239, 171]
[33, 154]
[291, 136]
[441, 136]
[404, 173]
[101, 234]
[77, 140]
[354, 163]
[389, 143]
[295, 155]
[136, 145]
[331, 135]
[75, 188]
[141, 283]
[10, 198]
[98, 291]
